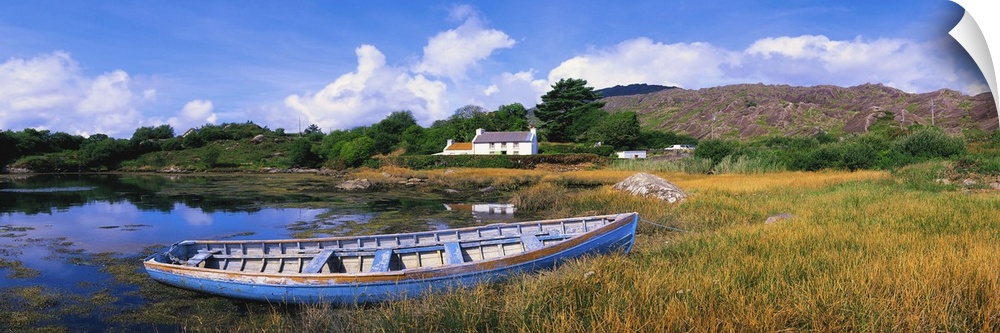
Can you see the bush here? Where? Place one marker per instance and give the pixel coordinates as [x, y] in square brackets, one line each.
[548, 148]
[827, 156]
[715, 150]
[210, 155]
[931, 143]
[48, 163]
[859, 156]
[172, 144]
[301, 154]
[984, 164]
[924, 176]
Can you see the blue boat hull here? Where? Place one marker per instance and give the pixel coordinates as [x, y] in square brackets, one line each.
[393, 285]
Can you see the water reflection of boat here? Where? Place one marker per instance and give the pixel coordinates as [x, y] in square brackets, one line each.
[347, 270]
[504, 209]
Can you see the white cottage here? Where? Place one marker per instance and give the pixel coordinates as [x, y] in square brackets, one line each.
[495, 143]
[631, 154]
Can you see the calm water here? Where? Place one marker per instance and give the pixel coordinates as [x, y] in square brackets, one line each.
[57, 232]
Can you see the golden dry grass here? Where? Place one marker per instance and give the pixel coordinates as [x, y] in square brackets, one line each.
[860, 253]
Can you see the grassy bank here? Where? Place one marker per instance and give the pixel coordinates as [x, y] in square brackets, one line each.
[863, 251]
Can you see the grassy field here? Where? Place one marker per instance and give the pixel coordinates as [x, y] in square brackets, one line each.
[863, 251]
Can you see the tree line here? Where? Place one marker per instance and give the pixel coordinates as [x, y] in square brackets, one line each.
[571, 113]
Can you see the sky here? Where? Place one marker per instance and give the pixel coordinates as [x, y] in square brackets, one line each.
[87, 67]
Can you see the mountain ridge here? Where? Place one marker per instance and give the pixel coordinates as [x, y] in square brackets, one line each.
[748, 110]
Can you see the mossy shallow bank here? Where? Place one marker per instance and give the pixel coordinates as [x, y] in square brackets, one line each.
[860, 252]
[863, 251]
[116, 294]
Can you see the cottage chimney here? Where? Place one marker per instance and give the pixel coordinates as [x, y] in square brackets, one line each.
[450, 142]
[480, 131]
[532, 128]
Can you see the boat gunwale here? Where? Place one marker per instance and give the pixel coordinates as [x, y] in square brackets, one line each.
[341, 238]
[443, 271]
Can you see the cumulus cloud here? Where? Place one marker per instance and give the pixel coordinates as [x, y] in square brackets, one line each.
[452, 53]
[49, 91]
[374, 89]
[803, 60]
[370, 93]
[641, 60]
[507, 88]
[905, 64]
[194, 114]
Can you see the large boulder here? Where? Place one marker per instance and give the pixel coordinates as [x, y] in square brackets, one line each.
[647, 185]
[355, 185]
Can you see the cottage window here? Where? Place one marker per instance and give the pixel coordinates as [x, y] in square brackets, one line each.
[493, 145]
[515, 145]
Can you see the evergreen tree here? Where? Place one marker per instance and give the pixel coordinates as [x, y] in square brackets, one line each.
[569, 110]
[620, 130]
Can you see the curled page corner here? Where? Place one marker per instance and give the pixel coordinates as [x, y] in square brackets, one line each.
[971, 36]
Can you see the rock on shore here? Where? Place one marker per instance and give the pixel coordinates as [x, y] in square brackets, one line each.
[648, 185]
[355, 185]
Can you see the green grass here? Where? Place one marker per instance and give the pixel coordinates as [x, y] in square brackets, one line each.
[862, 252]
[233, 156]
[692, 165]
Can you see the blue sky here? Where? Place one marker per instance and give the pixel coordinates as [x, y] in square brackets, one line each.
[87, 67]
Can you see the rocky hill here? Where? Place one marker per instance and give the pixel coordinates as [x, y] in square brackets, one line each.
[748, 110]
[632, 89]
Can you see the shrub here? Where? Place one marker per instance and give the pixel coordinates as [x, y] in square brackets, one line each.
[985, 164]
[924, 176]
[172, 144]
[210, 155]
[549, 148]
[715, 150]
[301, 155]
[931, 143]
[859, 156]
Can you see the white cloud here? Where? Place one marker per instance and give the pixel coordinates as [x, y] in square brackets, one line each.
[507, 88]
[370, 93]
[195, 113]
[905, 64]
[803, 60]
[452, 53]
[641, 60]
[50, 92]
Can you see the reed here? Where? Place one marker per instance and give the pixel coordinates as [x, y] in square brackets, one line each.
[694, 165]
[861, 253]
[748, 165]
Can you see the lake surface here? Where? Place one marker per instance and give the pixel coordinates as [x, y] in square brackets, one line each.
[70, 240]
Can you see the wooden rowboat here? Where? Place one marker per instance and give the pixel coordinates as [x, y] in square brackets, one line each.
[349, 270]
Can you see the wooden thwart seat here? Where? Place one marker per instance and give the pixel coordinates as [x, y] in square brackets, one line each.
[381, 261]
[453, 253]
[201, 256]
[316, 264]
[531, 242]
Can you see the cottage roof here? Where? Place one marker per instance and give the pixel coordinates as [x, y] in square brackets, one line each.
[488, 137]
[460, 146]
